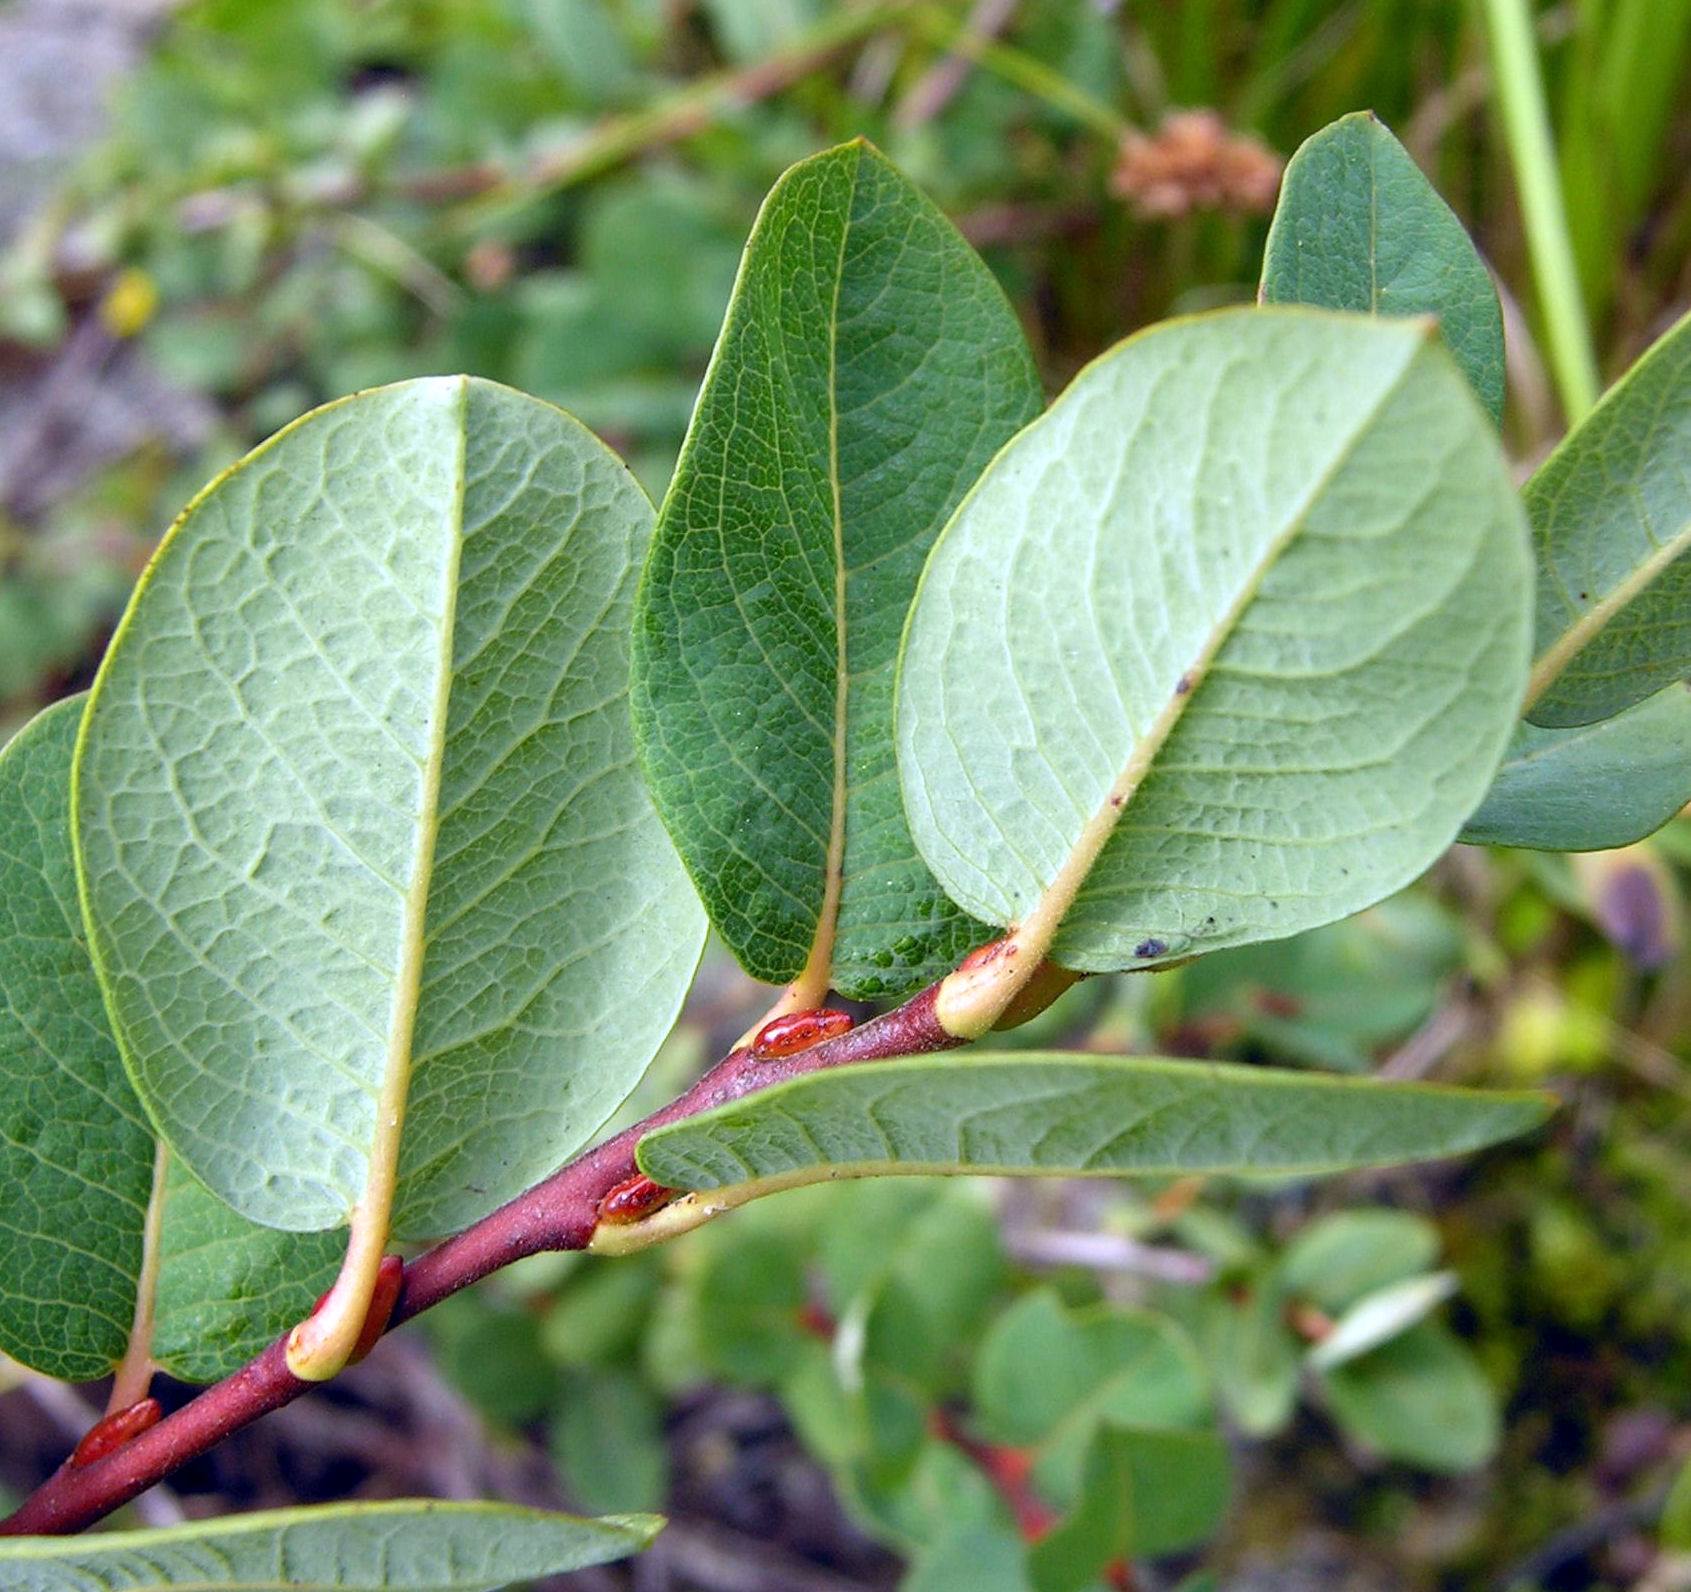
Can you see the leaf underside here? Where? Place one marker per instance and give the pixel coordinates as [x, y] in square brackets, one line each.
[868, 368]
[1263, 574]
[356, 793]
[77, 1159]
[404, 1546]
[1036, 1113]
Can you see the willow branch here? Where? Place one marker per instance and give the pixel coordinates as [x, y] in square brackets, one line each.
[557, 1214]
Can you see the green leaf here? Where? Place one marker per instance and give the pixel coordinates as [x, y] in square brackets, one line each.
[974, 1558]
[1591, 787]
[1247, 610]
[77, 1159]
[1611, 519]
[358, 812]
[1105, 1398]
[1381, 1316]
[1421, 1398]
[746, 1309]
[1144, 1494]
[607, 1441]
[918, 1262]
[76, 1155]
[868, 369]
[1045, 1370]
[227, 1288]
[1332, 996]
[1253, 1357]
[1339, 1259]
[1675, 1527]
[1032, 1112]
[599, 1317]
[1359, 228]
[492, 1354]
[404, 1546]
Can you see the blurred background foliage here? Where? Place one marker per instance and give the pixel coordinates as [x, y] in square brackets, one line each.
[1473, 1375]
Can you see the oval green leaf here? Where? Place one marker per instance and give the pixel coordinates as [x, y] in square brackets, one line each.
[1142, 1494]
[410, 1545]
[1247, 609]
[1359, 228]
[1341, 1258]
[868, 369]
[1421, 1398]
[1593, 787]
[1611, 522]
[1045, 1369]
[77, 1161]
[1100, 1115]
[76, 1154]
[359, 826]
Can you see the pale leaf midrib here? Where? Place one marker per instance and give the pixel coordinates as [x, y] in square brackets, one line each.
[812, 983]
[134, 1370]
[319, 1346]
[408, 975]
[1555, 658]
[1373, 224]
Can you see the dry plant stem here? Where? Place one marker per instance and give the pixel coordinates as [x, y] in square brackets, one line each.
[559, 1213]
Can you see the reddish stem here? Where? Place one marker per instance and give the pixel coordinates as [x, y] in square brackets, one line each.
[559, 1213]
[1010, 1470]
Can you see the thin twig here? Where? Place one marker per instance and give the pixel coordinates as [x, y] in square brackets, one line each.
[1054, 1246]
[690, 110]
[65, 1408]
[1450, 1023]
[938, 86]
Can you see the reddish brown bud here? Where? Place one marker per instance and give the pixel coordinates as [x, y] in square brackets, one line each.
[108, 1435]
[788, 1035]
[633, 1198]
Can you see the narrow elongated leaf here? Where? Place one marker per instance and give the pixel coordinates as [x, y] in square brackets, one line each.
[868, 369]
[1254, 1359]
[357, 812]
[1593, 787]
[1380, 1317]
[1611, 520]
[76, 1155]
[1248, 608]
[405, 1546]
[1032, 1112]
[1359, 228]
